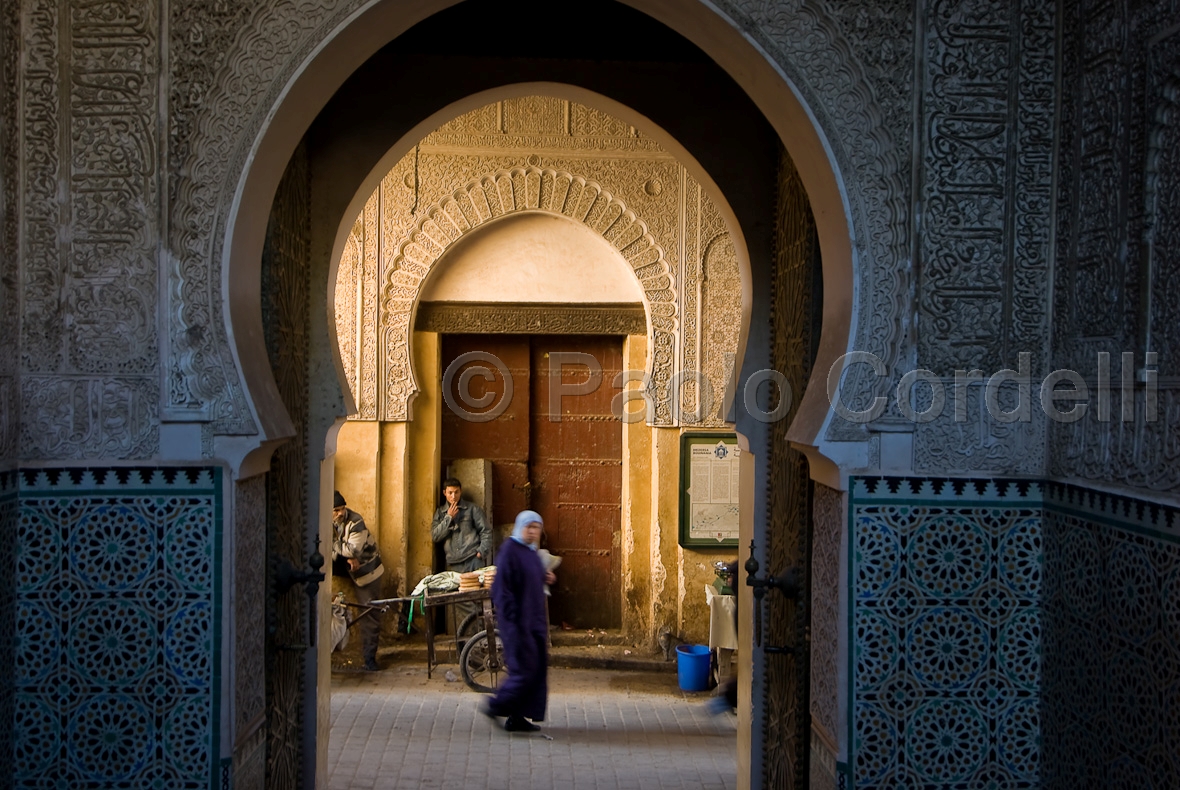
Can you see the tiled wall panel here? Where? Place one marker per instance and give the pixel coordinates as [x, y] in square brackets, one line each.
[945, 635]
[8, 513]
[1111, 680]
[117, 623]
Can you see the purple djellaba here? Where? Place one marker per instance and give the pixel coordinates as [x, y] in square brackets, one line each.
[519, 596]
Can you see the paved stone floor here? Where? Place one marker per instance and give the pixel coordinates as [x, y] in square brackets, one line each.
[604, 729]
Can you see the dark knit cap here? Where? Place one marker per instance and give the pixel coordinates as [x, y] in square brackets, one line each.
[338, 500]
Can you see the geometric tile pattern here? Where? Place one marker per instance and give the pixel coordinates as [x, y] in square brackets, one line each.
[117, 623]
[1111, 685]
[8, 503]
[945, 579]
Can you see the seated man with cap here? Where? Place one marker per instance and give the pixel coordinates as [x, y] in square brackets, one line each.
[353, 543]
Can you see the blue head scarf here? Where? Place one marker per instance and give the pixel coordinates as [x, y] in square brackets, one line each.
[523, 519]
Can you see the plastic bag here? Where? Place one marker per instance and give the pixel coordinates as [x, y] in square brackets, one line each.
[339, 624]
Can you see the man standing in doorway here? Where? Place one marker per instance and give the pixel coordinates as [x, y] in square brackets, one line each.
[353, 543]
[463, 530]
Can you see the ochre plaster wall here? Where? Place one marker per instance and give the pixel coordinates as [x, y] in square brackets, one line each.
[423, 460]
[636, 510]
[388, 472]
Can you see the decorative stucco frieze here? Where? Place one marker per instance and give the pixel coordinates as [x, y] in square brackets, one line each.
[828, 517]
[9, 231]
[90, 292]
[264, 44]
[1118, 174]
[853, 66]
[89, 417]
[986, 142]
[250, 594]
[986, 145]
[541, 319]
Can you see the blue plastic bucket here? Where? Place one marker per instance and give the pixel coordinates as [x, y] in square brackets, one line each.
[692, 667]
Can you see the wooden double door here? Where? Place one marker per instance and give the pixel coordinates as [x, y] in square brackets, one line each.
[555, 451]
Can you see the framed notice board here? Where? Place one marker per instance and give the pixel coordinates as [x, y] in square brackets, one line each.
[709, 490]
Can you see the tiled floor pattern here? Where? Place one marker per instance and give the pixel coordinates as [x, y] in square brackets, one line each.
[395, 729]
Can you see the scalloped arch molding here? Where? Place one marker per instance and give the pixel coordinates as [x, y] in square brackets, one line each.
[503, 193]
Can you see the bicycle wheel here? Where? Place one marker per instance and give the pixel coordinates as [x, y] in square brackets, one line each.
[478, 670]
[472, 624]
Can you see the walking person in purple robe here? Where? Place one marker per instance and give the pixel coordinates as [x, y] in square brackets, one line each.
[519, 596]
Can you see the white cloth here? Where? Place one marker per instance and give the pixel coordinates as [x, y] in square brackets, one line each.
[445, 581]
[722, 618]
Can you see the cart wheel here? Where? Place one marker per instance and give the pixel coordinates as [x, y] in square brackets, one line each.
[479, 672]
[472, 624]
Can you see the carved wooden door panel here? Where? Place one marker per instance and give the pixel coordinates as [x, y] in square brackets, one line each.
[794, 332]
[576, 470]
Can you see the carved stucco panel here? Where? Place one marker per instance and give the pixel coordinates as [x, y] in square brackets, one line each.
[1116, 235]
[853, 65]
[89, 294]
[689, 240]
[9, 229]
[721, 304]
[986, 161]
[42, 324]
[1138, 452]
[113, 171]
[250, 601]
[535, 115]
[1162, 203]
[969, 437]
[590, 122]
[828, 515]
[89, 418]
[986, 184]
[348, 328]
[264, 44]
[367, 299]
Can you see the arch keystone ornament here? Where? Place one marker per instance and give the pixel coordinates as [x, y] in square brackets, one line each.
[501, 194]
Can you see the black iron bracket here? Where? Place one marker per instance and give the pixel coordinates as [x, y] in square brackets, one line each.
[789, 583]
[285, 576]
[779, 650]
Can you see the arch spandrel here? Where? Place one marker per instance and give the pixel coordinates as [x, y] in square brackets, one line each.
[501, 194]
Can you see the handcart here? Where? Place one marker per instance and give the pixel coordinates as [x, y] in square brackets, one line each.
[481, 660]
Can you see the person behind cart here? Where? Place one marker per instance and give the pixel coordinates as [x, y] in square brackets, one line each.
[354, 552]
[463, 530]
[519, 597]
